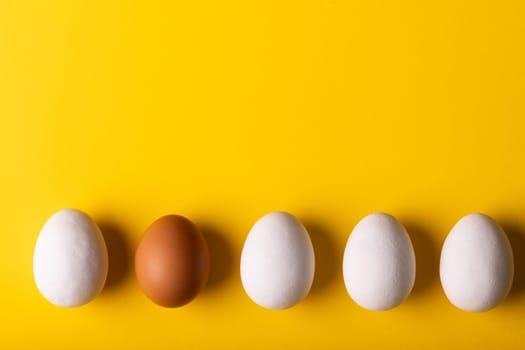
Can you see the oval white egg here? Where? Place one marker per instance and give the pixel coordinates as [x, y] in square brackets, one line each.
[277, 261]
[477, 266]
[379, 265]
[70, 261]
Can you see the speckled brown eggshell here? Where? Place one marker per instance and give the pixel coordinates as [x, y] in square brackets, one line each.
[172, 261]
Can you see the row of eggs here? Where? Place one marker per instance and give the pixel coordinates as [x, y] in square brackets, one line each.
[277, 264]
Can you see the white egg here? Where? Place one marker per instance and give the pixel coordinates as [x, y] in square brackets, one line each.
[277, 261]
[70, 261]
[379, 265]
[477, 265]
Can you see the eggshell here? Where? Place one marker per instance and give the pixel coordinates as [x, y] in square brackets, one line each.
[379, 265]
[172, 261]
[70, 261]
[277, 261]
[477, 265]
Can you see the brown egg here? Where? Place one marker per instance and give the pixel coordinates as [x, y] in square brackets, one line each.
[172, 261]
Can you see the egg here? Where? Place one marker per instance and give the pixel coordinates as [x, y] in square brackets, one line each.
[379, 264]
[172, 261]
[476, 267]
[70, 261]
[277, 261]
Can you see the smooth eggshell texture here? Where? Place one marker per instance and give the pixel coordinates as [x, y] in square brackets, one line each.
[379, 264]
[172, 261]
[277, 261]
[70, 261]
[477, 266]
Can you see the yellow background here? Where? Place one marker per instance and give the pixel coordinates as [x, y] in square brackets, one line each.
[225, 110]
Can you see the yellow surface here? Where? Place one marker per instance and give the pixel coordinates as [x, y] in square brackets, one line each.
[225, 110]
